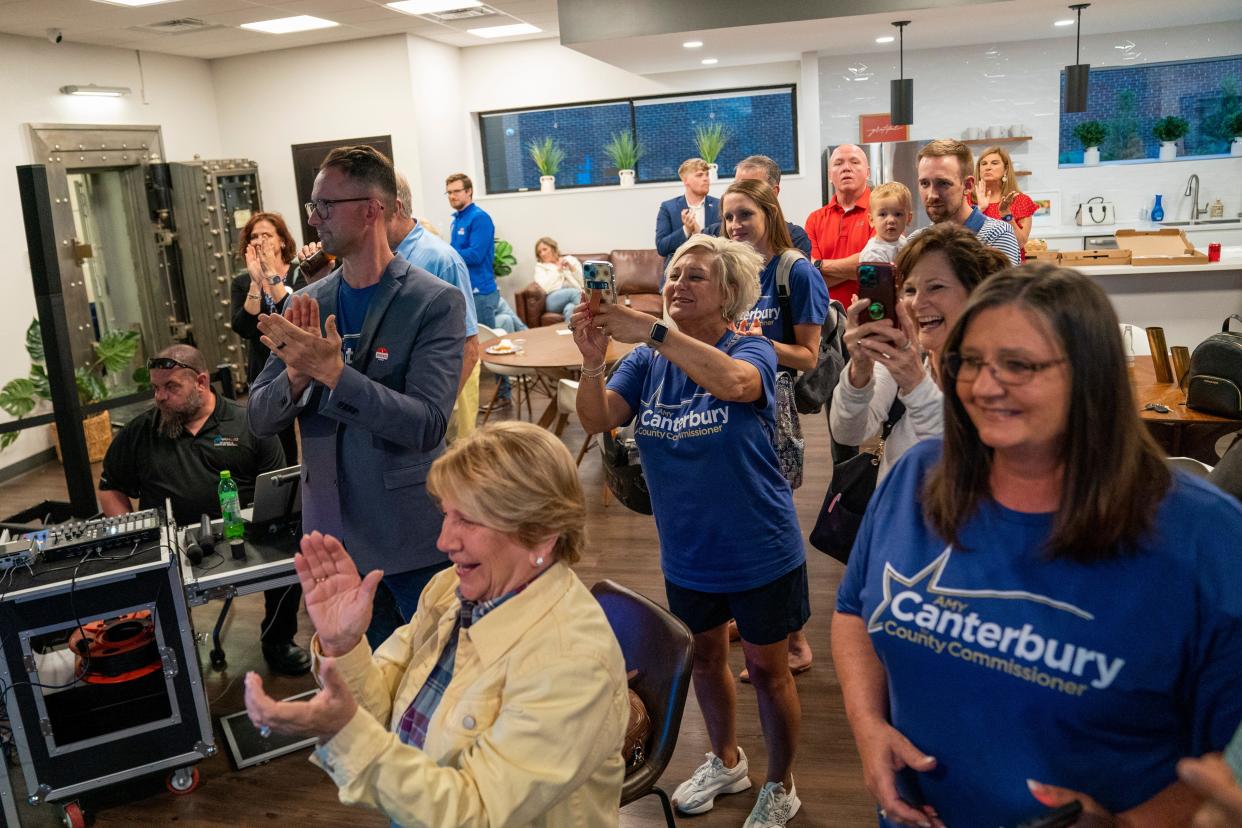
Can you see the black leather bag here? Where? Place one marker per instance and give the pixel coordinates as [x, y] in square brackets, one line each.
[1214, 381]
[853, 483]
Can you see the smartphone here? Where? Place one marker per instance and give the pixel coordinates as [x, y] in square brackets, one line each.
[877, 283]
[600, 282]
[1061, 817]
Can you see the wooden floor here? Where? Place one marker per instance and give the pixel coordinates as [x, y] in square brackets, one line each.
[623, 546]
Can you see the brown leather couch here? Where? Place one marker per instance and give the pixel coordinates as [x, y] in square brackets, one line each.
[638, 286]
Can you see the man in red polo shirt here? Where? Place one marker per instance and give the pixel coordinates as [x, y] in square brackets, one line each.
[839, 230]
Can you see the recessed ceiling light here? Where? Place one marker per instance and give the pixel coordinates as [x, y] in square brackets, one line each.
[288, 25]
[709, 61]
[134, 2]
[1064, 23]
[885, 39]
[91, 90]
[692, 44]
[431, 6]
[505, 31]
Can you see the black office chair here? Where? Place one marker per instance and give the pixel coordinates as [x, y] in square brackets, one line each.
[661, 648]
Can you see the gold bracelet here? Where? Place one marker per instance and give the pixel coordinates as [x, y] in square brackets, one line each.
[253, 295]
[589, 373]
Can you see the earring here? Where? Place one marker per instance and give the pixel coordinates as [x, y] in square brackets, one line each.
[539, 561]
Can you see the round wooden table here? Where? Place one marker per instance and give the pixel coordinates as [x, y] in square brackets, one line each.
[1183, 431]
[549, 350]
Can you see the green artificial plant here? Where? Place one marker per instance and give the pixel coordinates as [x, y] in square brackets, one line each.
[710, 139]
[623, 151]
[113, 354]
[1091, 133]
[503, 259]
[547, 155]
[1170, 128]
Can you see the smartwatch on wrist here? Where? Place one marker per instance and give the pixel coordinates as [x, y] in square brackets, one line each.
[818, 263]
[274, 278]
[656, 337]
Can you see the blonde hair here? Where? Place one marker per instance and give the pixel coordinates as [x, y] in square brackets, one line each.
[894, 189]
[691, 165]
[737, 271]
[1009, 181]
[945, 147]
[518, 479]
[550, 242]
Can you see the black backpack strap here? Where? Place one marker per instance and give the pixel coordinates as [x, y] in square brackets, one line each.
[786, 263]
[895, 412]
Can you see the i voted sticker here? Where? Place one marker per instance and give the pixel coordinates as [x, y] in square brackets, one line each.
[381, 354]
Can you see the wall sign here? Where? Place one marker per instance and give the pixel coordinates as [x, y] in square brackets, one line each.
[878, 128]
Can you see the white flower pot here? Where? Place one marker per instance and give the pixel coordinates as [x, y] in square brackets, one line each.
[547, 183]
[1168, 150]
[1236, 147]
[711, 172]
[1091, 156]
[627, 177]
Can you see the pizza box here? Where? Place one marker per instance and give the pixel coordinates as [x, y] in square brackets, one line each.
[1080, 258]
[1165, 246]
[1050, 256]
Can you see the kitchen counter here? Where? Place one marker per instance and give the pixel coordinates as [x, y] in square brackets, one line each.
[1067, 231]
[1226, 263]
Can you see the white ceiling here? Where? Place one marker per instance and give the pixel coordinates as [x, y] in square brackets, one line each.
[981, 23]
[85, 21]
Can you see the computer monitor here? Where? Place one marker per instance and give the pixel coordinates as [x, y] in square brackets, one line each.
[277, 496]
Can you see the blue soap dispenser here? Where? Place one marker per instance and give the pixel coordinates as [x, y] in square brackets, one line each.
[1157, 210]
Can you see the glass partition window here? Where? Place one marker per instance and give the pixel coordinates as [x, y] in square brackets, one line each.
[755, 121]
[1129, 100]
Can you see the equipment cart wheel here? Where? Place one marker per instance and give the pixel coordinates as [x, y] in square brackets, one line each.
[183, 781]
[73, 816]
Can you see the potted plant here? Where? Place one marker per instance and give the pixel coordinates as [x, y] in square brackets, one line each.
[503, 259]
[548, 156]
[113, 354]
[623, 151]
[710, 140]
[1092, 134]
[1235, 126]
[1169, 129]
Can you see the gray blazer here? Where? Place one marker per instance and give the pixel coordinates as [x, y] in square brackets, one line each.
[367, 445]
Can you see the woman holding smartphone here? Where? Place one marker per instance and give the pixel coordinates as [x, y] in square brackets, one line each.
[941, 266]
[730, 546]
[1036, 609]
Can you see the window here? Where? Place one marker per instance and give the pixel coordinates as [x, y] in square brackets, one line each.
[756, 121]
[1128, 100]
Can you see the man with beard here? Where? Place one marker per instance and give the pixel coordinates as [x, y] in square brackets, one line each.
[946, 175]
[177, 451]
[367, 360]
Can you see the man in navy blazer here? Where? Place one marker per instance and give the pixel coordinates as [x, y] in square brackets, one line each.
[371, 388]
[682, 217]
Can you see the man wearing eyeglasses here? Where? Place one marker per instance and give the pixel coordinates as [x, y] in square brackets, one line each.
[177, 451]
[367, 361]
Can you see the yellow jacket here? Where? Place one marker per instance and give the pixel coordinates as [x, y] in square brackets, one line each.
[529, 729]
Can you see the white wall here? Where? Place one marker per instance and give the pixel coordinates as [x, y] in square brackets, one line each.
[440, 122]
[267, 102]
[179, 98]
[1018, 83]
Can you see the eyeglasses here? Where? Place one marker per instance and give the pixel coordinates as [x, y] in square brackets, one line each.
[168, 364]
[1006, 371]
[323, 206]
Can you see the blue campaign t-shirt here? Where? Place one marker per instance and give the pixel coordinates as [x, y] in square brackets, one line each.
[808, 299]
[1007, 666]
[351, 313]
[724, 513]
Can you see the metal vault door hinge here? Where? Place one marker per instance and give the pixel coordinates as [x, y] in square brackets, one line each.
[82, 251]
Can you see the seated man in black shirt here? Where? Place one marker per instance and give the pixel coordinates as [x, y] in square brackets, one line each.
[177, 451]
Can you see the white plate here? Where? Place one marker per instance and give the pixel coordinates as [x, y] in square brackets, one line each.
[496, 350]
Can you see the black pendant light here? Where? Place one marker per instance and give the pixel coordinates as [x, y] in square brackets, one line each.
[901, 91]
[1076, 76]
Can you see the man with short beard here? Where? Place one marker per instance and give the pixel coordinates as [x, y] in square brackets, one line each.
[177, 451]
[946, 175]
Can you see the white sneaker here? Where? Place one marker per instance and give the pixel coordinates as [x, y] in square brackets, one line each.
[774, 807]
[697, 794]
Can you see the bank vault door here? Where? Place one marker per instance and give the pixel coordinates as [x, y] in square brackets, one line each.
[114, 276]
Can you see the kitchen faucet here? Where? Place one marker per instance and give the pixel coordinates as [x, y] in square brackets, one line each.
[1192, 186]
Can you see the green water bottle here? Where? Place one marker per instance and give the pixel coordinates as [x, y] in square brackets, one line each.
[230, 507]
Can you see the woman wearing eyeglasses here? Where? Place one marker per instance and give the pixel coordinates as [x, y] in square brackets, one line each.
[1036, 609]
[941, 266]
[270, 277]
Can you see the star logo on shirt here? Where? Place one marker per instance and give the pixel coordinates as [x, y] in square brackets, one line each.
[931, 575]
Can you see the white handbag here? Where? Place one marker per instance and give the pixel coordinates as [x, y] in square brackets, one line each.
[1095, 211]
